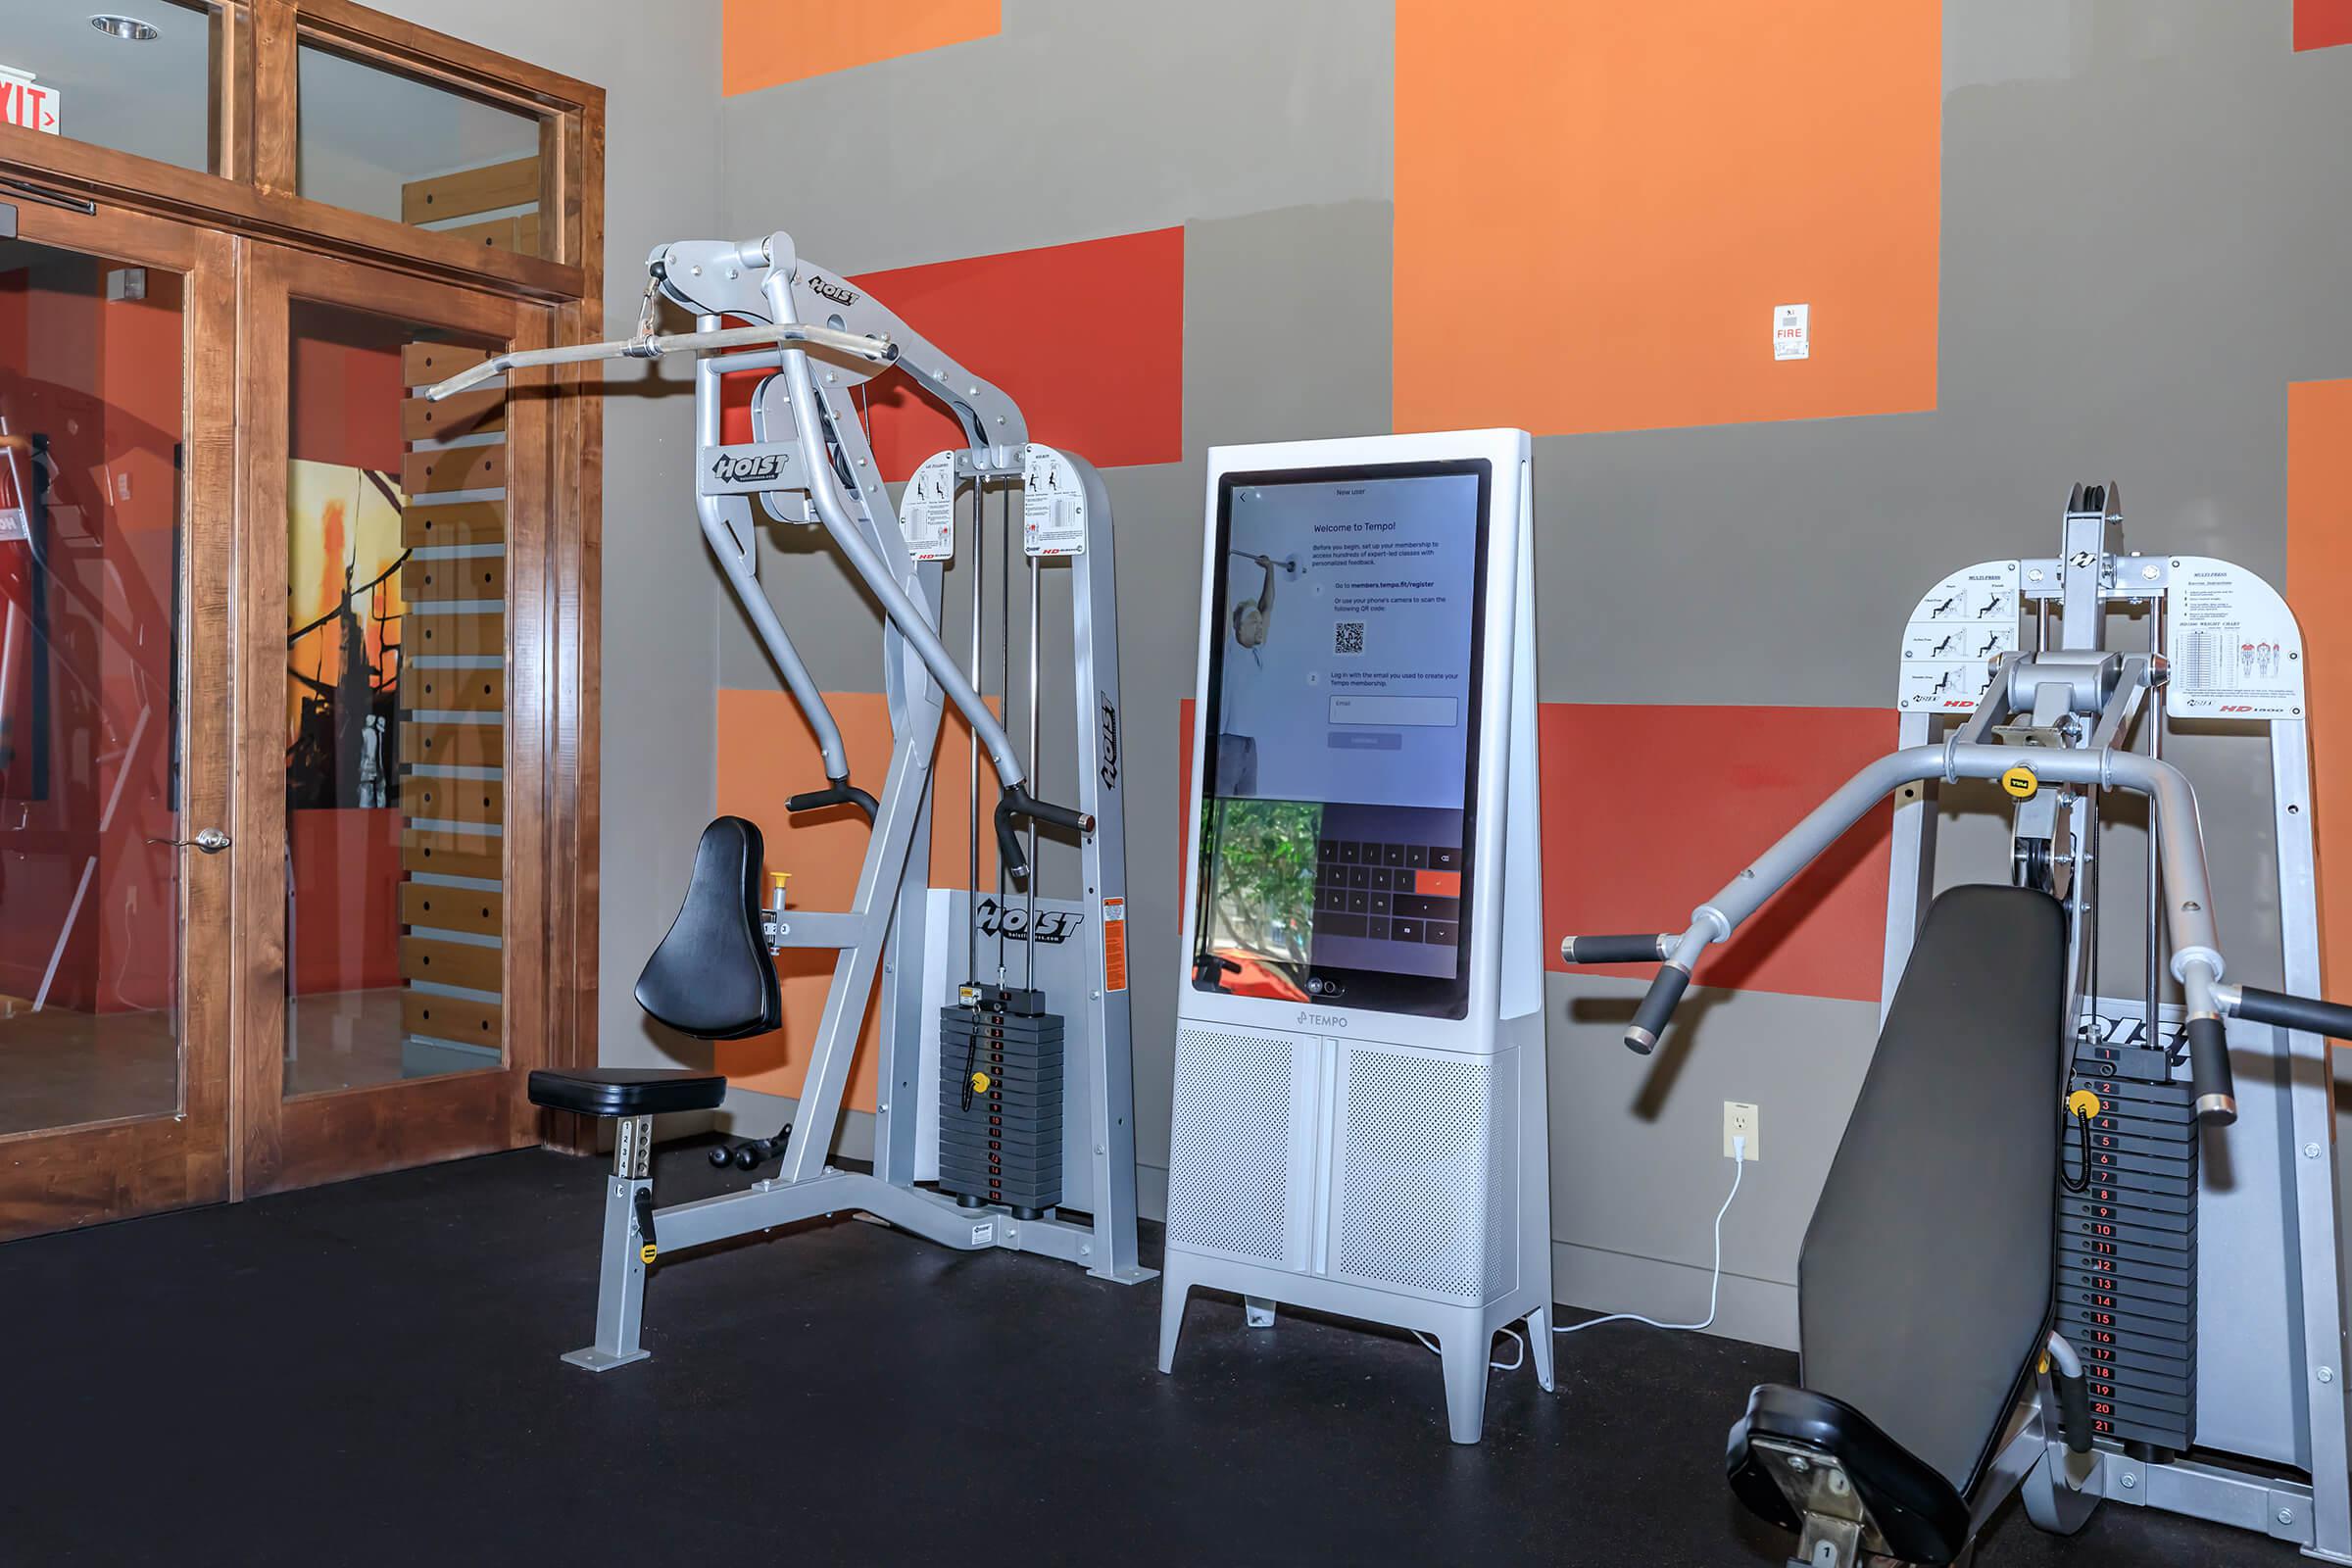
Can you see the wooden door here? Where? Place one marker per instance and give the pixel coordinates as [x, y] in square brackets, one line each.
[391, 874]
[118, 410]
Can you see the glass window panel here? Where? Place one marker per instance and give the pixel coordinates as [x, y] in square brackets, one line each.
[395, 707]
[143, 86]
[380, 142]
[92, 358]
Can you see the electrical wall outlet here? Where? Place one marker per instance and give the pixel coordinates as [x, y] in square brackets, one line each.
[1742, 1120]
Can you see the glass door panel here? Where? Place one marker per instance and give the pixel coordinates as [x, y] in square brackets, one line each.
[391, 1032]
[106, 792]
[395, 735]
[90, 394]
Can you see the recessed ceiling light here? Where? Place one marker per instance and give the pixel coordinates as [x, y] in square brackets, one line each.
[130, 29]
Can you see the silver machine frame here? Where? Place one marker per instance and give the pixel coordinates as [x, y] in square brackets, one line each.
[810, 463]
[2271, 1417]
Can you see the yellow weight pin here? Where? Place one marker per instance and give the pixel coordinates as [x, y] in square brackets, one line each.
[2021, 783]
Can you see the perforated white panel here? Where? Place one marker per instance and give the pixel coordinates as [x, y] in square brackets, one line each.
[1229, 1185]
[1416, 1177]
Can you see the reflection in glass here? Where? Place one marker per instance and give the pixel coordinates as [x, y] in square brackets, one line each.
[91, 387]
[395, 786]
[379, 142]
[1257, 917]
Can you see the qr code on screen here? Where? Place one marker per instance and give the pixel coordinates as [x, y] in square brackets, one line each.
[1347, 637]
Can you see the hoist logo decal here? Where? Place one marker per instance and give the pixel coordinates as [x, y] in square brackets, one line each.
[1109, 742]
[1054, 926]
[730, 468]
[831, 290]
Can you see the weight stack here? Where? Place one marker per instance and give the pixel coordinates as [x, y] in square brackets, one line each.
[2128, 1246]
[1004, 1147]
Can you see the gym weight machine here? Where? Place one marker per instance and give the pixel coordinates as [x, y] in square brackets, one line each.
[974, 1070]
[2158, 1321]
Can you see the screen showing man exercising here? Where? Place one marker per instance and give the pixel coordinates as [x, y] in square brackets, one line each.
[1343, 737]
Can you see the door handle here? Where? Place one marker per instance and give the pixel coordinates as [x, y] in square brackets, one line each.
[211, 840]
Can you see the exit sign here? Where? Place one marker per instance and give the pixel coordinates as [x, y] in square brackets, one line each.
[24, 101]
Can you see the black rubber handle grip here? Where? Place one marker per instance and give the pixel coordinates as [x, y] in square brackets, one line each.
[1649, 948]
[1017, 803]
[2074, 1410]
[839, 792]
[1657, 1006]
[2330, 1018]
[2209, 1077]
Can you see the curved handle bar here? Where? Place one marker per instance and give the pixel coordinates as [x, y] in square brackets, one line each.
[838, 792]
[1016, 802]
[653, 345]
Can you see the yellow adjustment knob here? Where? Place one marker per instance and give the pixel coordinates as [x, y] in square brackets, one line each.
[980, 1083]
[644, 1254]
[778, 879]
[2021, 783]
[2082, 1102]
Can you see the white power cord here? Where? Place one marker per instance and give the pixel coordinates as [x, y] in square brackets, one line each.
[1714, 1286]
[1518, 1343]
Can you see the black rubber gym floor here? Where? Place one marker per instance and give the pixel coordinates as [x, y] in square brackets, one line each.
[366, 1373]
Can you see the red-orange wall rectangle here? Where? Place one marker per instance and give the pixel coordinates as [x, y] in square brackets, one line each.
[2319, 564]
[1600, 205]
[2323, 23]
[1649, 810]
[1087, 338]
[1714, 787]
[767, 752]
[765, 42]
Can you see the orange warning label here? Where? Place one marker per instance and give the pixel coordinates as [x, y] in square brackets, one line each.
[1114, 944]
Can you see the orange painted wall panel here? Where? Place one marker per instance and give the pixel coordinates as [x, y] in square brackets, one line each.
[2318, 562]
[767, 752]
[765, 42]
[1599, 206]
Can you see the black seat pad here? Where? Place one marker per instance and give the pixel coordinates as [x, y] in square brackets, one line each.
[1925, 1284]
[1923, 1519]
[625, 1090]
[712, 976]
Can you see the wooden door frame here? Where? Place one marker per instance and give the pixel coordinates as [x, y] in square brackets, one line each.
[74, 1175]
[277, 1142]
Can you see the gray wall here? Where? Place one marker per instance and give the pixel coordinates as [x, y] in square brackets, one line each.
[659, 67]
[2142, 227]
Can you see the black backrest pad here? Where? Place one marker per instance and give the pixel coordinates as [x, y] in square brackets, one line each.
[712, 976]
[1925, 1284]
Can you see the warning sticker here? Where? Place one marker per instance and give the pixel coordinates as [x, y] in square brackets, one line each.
[1114, 944]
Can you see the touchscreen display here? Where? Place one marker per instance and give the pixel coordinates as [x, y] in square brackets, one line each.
[1339, 775]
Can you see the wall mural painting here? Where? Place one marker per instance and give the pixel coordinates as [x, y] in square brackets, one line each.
[343, 636]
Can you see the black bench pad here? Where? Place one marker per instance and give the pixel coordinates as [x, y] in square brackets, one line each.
[625, 1090]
